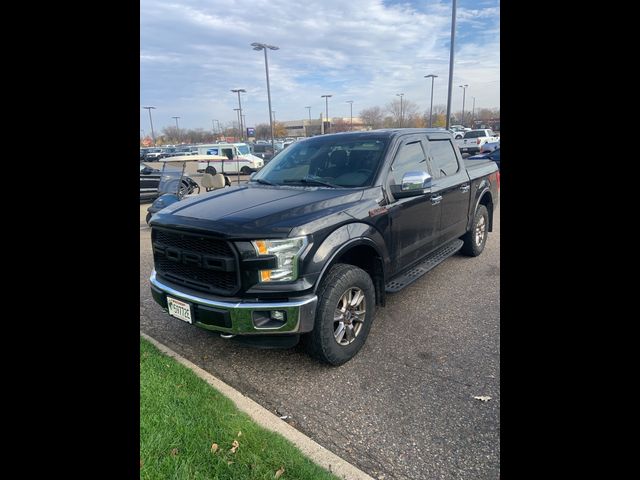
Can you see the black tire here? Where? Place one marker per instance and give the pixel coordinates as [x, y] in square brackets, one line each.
[149, 215]
[245, 170]
[321, 342]
[471, 246]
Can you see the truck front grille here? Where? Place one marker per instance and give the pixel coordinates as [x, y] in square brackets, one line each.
[196, 261]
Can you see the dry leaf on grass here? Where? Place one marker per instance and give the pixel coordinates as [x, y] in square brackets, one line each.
[239, 434]
[229, 462]
[174, 452]
[214, 447]
[234, 446]
[280, 472]
[483, 398]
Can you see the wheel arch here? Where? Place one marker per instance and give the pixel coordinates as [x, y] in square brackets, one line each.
[365, 254]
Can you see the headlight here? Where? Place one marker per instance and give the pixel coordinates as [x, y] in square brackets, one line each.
[287, 252]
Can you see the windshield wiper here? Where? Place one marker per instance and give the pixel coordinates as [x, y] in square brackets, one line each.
[314, 181]
[264, 182]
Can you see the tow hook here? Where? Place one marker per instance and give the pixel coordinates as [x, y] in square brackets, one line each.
[222, 335]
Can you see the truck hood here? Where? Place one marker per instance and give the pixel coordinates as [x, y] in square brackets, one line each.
[253, 210]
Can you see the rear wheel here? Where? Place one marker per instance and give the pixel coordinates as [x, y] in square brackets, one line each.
[345, 312]
[245, 170]
[476, 238]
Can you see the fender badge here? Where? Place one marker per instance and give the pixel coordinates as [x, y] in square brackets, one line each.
[378, 211]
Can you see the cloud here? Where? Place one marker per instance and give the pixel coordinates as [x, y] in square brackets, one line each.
[194, 51]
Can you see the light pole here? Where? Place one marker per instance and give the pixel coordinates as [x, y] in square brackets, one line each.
[238, 90]
[326, 98]
[309, 108]
[464, 90]
[350, 102]
[263, 46]
[453, 38]
[431, 107]
[153, 135]
[177, 128]
[400, 95]
[473, 112]
[273, 112]
[244, 125]
[239, 124]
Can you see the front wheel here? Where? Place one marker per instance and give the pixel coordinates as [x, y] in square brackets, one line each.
[476, 238]
[345, 312]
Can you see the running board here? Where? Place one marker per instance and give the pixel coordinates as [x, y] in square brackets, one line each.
[423, 267]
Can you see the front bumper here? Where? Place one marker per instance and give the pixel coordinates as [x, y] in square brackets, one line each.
[239, 317]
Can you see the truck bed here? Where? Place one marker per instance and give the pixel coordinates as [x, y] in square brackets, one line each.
[480, 168]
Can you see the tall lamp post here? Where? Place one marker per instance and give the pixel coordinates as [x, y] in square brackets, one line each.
[452, 44]
[238, 90]
[309, 109]
[350, 102]
[153, 135]
[473, 112]
[263, 46]
[177, 128]
[239, 124]
[400, 95]
[464, 90]
[326, 99]
[431, 107]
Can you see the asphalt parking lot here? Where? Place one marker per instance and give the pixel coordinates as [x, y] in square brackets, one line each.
[403, 407]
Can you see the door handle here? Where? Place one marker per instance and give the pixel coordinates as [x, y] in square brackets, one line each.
[465, 188]
[436, 200]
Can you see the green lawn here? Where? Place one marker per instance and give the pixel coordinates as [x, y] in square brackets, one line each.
[181, 416]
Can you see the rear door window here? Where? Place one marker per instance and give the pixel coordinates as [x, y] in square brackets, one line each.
[443, 158]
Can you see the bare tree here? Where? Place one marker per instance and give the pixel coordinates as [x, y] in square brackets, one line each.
[339, 125]
[263, 131]
[372, 117]
[408, 115]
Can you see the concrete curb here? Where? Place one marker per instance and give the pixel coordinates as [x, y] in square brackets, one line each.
[268, 420]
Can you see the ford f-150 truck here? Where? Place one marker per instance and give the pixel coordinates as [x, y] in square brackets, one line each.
[317, 239]
[475, 139]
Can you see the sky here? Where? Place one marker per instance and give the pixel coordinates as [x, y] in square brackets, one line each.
[193, 52]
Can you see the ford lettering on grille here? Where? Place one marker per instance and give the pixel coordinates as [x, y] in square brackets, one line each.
[208, 262]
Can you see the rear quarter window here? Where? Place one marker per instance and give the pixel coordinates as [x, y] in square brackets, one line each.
[443, 158]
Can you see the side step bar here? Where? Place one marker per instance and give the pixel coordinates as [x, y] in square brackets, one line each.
[434, 259]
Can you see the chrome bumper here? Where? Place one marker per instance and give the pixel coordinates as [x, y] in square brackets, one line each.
[240, 316]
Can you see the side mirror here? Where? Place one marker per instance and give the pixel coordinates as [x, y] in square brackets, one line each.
[414, 183]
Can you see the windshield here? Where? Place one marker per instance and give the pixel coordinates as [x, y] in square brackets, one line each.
[243, 149]
[333, 161]
[170, 180]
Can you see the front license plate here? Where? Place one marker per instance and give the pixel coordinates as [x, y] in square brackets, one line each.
[179, 309]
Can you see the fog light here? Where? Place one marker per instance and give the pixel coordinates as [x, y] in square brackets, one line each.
[277, 315]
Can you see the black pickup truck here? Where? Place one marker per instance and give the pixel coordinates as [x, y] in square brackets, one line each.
[316, 240]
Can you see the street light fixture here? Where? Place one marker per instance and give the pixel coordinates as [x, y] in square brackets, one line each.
[177, 129]
[431, 107]
[153, 135]
[238, 90]
[464, 90]
[350, 102]
[326, 98]
[400, 95]
[263, 46]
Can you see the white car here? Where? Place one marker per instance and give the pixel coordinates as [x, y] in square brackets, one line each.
[243, 160]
